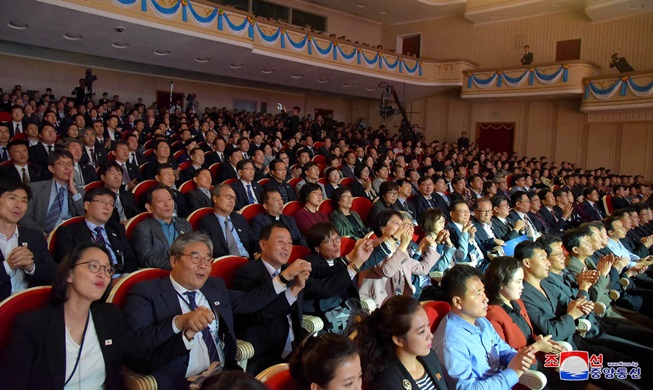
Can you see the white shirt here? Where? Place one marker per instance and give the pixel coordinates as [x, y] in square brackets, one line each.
[291, 299]
[20, 171]
[17, 276]
[90, 372]
[245, 184]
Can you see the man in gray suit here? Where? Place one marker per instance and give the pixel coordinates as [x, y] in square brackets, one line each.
[56, 200]
[153, 237]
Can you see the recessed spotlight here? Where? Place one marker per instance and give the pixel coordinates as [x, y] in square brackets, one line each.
[348, 85]
[120, 45]
[361, 5]
[267, 71]
[370, 89]
[72, 37]
[202, 60]
[162, 52]
[322, 81]
[383, 12]
[18, 25]
[119, 29]
[235, 66]
[297, 76]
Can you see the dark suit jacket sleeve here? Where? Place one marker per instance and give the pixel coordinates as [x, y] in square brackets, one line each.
[67, 237]
[544, 320]
[147, 253]
[141, 316]
[43, 261]
[326, 287]
[250, 277]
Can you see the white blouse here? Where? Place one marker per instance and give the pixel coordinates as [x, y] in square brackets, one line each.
[90, 372]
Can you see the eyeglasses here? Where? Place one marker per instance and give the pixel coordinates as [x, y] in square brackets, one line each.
[332, 240]
[64, 164]
[104, 202]
[485, 211]
[195, 258]
[229, 196]
[95, 267]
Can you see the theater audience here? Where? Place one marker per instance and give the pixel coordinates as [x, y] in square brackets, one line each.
[201, 195]
[273, 204]
[346, 221]
[311, 195]
[126, 207]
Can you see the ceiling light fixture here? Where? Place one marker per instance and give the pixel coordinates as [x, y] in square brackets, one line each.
[361, 5]
[235, 66]
[267, 71]
[120, 45]
[72, 37]
[162, 53]
[348, 85]
[297, 76]
[202, 60]
[322, 81]
[383, 12]
[370, 89]
[18, 25]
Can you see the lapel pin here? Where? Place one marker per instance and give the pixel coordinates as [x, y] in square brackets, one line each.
[438, 376]
[108, 342]
[406, 384]
[217, 303]
[114, 234]
[181, 232]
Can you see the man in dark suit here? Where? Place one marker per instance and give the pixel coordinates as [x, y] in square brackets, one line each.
[201, 195]
[589, 210]
[111, 175]
[228, 169]
[218, 152]
[247, 190]
[403, 204]
[196, 162]
[548, 201]
[54, 200]
[153, 236]
[278, 174]
[325, 149]
[536, 217]
[99, 204]
[83, 174]
[165, 174]
[273, 205]
[194, 304]
[136, 157]
[28, 264]
[521, 205]
[442, 200]
[619, 194]
[527, 58]
[18, 122]
[93, 153]
[228, 229]
[349, 164]
[38, 154]
[269, 329]
[501, 226]
[484, 235]
[463, 234]
[424, 198]
[20, 171]
[131, 174]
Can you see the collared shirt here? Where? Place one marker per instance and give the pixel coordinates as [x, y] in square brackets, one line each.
[91, 226]
[620, 250]
[247, 191]
[17, 276]
[169, 229]
[20, 171]
[530, 228]
[65, 211]
[239, 242]
[274, 274]
[205, 192]
[474, 356]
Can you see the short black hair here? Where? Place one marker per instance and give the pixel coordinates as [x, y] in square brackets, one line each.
[525, 249]
[57, 154]
[266, 232]
[386, 187]
[161, 167]
[307, 189]
[11, 186]
[454, 282]
[158, 186]
[571, 238]
[337, 194]
[547, 240]
[99, 191]
[318, 233]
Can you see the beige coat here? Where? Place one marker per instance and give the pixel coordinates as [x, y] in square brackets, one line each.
[393, 273]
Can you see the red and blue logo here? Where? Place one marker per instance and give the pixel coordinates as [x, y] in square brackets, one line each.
[574, 366]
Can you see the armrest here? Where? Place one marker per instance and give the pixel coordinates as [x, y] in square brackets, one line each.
[312, 323]
[532, 379]
[244, 351]
[134, 381]
[368, 304]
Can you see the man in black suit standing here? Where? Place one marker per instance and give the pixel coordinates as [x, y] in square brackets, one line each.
[201, 195]
[620, 63]
[99, 204]
[273, 205]
[228, 229]
[247, 190]
[275, 330]
[25, 257]
[20, 171]
[278, 174]
[527, 58]
[191, 303]
[111, 175]
[228, 169]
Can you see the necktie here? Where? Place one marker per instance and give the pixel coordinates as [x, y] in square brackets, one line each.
[212, 349]
[49, 149]
[120, 209]
[54, 214]
[446, 200]
[598, 212]
[3, 153]
[231, 241]
[99, 239]
[93, 156]
[132, 158]
[18, 130]
[546, 226]
[25, 176]
[250, 195]
[284, 193]
[125, 174]
[431, 203]
[77, 176]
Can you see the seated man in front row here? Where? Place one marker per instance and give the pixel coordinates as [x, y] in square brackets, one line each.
[190, 301]
[467, 344]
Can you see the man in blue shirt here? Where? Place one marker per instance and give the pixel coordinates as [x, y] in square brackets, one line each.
[473, 354]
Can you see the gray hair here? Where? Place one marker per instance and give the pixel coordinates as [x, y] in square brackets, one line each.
[215, 192]
[184, 240]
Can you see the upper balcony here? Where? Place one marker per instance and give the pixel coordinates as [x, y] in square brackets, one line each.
[615, 92]
[190, 35]
[558, 79]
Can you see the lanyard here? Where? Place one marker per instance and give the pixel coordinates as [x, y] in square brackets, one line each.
[79, 354]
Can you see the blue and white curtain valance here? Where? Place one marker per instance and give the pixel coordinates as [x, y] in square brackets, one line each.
[600, 91]
[499, 78]
[240, 25]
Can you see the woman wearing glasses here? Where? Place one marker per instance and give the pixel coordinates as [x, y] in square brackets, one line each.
[347, 222]
[78, 341]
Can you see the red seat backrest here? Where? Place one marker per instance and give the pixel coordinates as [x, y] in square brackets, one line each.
[298, 252]
[225, 267]
[326, 207]
[119, 292]
[346, 245]
[196, 215]
[10, 308]
[291, 208]
[436, 310]
[281, 381]
[187, 186]
[251, 210]
[133, 221]
[362, 206]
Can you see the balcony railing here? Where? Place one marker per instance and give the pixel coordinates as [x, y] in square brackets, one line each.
[553, 79]
[633, 90]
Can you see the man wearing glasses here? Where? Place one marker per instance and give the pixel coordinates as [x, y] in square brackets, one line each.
[485, 238]
[56, 200]
[96, 227]
[189, 301]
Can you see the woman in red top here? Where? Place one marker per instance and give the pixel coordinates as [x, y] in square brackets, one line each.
[503, 281]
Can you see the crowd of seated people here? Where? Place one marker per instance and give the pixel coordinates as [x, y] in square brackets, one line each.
[98, 191]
